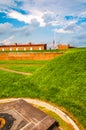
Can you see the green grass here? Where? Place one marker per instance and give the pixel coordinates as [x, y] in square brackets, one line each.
[24, 66]
[29, 68]
[49, 50]
[16, 85]
[22, 62]
[62, 81]
[76, 49]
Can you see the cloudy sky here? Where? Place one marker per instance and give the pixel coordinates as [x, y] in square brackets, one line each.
[42, 21]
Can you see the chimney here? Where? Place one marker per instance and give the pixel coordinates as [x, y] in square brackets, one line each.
[15, 44]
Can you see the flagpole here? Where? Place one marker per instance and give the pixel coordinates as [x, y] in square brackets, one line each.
[53, 47]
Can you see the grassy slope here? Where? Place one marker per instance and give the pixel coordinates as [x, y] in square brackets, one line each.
[15, 85]
[63, 81]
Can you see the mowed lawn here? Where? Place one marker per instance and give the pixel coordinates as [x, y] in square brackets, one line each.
[22, 66]
[17, 85]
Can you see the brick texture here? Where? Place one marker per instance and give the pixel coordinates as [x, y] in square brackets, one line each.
[28, 55]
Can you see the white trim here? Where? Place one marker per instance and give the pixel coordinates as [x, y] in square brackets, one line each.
[2, 49]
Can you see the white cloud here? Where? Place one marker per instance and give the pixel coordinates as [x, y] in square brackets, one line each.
[5, 4]
[20, 34]
[40, 9]
[4, 28]
[62, 31]
[37, 15]
[7, 41]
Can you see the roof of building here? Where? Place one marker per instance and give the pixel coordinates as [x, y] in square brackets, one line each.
[22, 45]
[22, 115]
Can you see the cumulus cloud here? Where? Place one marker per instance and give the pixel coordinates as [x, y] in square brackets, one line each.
[48, 12]
[80, 39]
[5, 4]
[7, 41]
[62, 31]
[9, 32]
[37, 15]
[23, 31]
[4, 28]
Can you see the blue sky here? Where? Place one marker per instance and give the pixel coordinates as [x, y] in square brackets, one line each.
[42, 21]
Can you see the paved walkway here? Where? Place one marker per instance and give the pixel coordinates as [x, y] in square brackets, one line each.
[60, 113]
[17, 72]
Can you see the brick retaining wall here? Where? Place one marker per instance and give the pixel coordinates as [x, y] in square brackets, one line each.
[28, 55]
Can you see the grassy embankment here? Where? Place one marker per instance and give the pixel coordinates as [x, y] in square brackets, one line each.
[62, 81]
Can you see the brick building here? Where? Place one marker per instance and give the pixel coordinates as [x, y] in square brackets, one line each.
[64, 46]
[23, 47]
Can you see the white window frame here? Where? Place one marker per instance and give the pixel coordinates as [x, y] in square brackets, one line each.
[2, 49]
[40, 48]
[31, 48]
[10, 49]
[24, 48]
[17, 49]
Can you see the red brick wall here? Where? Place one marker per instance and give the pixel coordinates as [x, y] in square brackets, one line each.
[28, 55]
[62, 46]
[21, 48]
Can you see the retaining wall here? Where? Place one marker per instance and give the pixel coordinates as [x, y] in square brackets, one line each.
[28, 55]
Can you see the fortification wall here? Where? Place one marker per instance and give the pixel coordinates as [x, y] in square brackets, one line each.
[28, 55]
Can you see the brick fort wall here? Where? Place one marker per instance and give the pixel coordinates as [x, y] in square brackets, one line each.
[28, 55]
